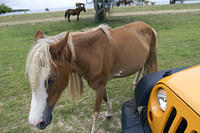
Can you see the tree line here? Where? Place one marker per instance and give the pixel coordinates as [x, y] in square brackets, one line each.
[4, 9]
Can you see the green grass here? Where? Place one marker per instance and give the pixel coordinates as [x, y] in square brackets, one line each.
[46, 15]
[178, 46]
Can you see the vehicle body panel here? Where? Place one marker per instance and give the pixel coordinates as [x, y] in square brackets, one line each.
[186, 84]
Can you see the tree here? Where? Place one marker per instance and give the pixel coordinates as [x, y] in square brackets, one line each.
[172, 1]
[4, 9]
[102, 7]
[99, 8]
[146, 2]
[141, 2]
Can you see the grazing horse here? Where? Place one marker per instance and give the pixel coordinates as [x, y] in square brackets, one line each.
[121, 2]
[74, 12]
[128, 2]
[98, 55]
[47, 9]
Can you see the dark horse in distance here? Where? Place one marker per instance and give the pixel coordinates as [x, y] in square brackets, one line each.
[74, 12]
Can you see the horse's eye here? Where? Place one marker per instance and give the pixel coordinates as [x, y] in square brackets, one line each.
[51, 79]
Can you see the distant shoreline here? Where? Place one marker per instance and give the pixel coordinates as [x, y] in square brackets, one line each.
[20, 10]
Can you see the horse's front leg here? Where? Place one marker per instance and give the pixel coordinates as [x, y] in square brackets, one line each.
[108, 113]
[100, 93]
[69, 17]
[77, 17]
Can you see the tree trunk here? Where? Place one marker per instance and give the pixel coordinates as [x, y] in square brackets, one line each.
[172, 1]
[99, 8]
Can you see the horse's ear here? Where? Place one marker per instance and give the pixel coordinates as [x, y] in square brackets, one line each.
[57, 50]
[38, 35]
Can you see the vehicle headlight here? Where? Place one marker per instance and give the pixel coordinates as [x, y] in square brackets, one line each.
[162, 99]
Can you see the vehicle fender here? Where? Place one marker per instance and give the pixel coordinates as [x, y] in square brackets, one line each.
[145, 85]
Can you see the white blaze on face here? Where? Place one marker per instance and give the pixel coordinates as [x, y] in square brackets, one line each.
[38, 102]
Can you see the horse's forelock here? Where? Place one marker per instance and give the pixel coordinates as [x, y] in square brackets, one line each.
[39, 60]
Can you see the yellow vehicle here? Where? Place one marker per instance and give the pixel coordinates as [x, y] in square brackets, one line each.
[170, 100]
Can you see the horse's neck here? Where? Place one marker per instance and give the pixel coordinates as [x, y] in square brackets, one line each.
[81, 43]
[80, 9]
[84, 46]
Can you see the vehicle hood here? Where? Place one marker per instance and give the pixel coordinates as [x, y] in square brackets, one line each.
[186, 85]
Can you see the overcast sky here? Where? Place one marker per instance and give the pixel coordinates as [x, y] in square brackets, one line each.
[40, 4]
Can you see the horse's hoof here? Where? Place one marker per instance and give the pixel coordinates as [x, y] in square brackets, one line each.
[108, 117]
[93, 131]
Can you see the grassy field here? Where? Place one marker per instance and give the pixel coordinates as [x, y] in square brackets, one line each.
[178, 46]
[46, 15]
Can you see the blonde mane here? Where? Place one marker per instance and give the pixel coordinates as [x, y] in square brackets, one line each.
[39, 61]
[105, 28]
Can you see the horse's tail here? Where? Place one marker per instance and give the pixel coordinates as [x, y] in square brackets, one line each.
[66, 13]
[151, 63]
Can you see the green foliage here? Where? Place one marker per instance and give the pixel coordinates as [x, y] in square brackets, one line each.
[141, 2]
[4, 9]
[146, 2]
[152, 3]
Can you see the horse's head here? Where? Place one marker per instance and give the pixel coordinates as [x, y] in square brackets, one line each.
[48, 69]
[84, 8]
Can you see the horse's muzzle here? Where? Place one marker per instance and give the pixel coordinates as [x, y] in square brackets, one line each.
[47, 117]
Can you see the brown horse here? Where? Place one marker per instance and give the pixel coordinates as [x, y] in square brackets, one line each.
[47, 9]
[98, 56]
[121, 2]
[74, 12]
[128, 2]
[124, 2]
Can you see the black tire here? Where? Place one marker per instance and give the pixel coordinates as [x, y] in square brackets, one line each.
[143, 116]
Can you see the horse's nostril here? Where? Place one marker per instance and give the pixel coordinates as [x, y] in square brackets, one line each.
[41, 125]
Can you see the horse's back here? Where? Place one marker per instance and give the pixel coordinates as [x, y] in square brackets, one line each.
[71, 11]
[137, 34]
[132, 29]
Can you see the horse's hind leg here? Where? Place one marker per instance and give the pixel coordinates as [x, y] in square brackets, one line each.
[78, 17]
[69, 17]
[108, 114]
[137, 77]
[100, 93]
